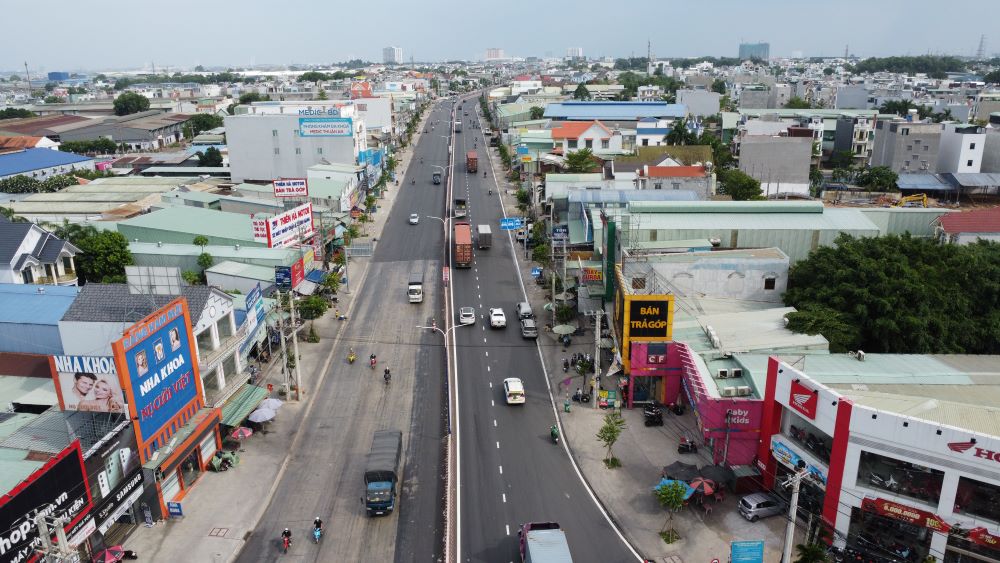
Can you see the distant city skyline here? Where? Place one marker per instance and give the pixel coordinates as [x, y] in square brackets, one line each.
[78, 37]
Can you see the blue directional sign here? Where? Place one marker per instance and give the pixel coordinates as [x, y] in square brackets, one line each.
[747, 551]
[535, 272]
[510, 223]
[175, 510]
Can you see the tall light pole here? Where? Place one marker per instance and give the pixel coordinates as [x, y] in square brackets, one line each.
[447, 354]
[793, 508]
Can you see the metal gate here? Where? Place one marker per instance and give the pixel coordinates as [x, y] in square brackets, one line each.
[361, 249]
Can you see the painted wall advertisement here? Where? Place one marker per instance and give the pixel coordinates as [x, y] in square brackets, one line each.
[58, 488]
[158, 372]
[88, 383]
[326, 127]
[291, 187]
[290, 227]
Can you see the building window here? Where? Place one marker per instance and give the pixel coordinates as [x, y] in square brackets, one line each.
[225, 327]
[769, 282]
[319, 150]
[803, 433]
[652, 235]
[204, 340]
[589, 143]
[605, 144]
[276, 150]
[298, 150]
[572, 143]
[926, 148]
[274, 132]
[975, 498]
[972, 146]
[909, 148]
[676, 185]
[968, 163]
[658, 186]
[645, 142]
[900, 477]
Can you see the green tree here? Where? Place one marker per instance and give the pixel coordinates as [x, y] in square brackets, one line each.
[204, 121]
[54, 100]
[739, 186]
[719, 86]
[811, 553]
[251, 97]
[312, 307]
[992, 77]
[796, 102]
[331, 283]
[580, 162]
[200, 240]
[211, 157]
[542, 254]
[537, 112]
[671, 497]
[680, 135]
[877, 178]
[104, 254]
[581, 92]
[199, 68]
[841, 159]
[20, 185]
[192, 278]
[722, 156]
[828, 71]
[130, 102]
[609, 433]
[15, 113]
[322, 95]
[205, 260]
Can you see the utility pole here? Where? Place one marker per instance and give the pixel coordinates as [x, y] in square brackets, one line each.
[295, 347]
[284, 352]
[598, 315]
[793, 507]
[61, 551]
[27, 77]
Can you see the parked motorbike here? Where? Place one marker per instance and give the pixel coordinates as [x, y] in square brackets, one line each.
[565, 365]
[581, 397]
[882, 481]
[653, 415]
[687, 446]
[554, 434]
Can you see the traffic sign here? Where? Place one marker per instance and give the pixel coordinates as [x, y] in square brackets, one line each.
[510, 223]
[536, 272]
[747, 551]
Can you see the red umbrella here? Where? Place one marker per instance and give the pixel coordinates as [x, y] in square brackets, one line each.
[703, 485]
[241, 433]
[110, 555]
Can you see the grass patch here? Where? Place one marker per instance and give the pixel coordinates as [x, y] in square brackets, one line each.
[612, 463]
[670, 536]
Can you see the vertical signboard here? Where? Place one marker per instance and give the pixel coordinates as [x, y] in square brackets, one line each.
[255, 309]
[159, 375]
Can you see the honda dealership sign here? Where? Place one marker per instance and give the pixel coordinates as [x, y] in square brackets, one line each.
[803, 400]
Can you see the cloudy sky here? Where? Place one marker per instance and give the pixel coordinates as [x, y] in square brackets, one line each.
[100, 34]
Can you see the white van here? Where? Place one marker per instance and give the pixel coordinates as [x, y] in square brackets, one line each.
[513, 391]
[415, 287]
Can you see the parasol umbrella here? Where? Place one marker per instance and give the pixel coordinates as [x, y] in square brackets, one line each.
[607, 343]
[262, 415]
[680, 470]
[703, 485]
[666, 482]
[241, 433]
[271, 403]
[109, 555]
[564, 296]
[564, 329]
[720, 474]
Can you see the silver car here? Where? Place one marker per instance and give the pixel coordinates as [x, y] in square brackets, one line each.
[761, 505]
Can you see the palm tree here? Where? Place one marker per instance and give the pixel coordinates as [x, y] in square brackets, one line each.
[811, 553]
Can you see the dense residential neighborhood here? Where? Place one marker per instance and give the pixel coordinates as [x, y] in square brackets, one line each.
[509, 307]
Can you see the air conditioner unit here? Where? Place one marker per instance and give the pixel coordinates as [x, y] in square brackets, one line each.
[737, 372]
[729, 392]
[723, 373]
[743, 391]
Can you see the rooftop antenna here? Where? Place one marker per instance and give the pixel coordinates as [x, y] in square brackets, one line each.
[27, 77]
[846, 50]
[981, 51]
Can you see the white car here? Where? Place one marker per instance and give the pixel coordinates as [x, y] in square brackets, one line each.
[497, 318]
[414, 218]
[467, 316]
[513, 391]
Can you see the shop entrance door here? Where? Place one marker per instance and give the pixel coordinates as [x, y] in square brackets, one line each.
[645, 389]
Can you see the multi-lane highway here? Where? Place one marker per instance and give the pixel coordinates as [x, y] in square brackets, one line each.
[511, 472]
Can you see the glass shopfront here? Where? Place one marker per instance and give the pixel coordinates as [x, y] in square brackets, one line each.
[968, 550]
[807, 436]
[978, 499]
[879, 539]
[900, 477]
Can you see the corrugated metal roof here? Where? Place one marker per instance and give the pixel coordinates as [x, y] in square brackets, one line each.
[28, 390]
[614, 110]
[759, 331]
[925, 182]
[972, 180]
[34, 159]
[283, 255]
[241, 270]
[197, 220]
[26, 304]
[977, 418]
[624, 196]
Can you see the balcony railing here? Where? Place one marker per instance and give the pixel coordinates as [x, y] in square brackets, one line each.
[211, 358]
[69, 278]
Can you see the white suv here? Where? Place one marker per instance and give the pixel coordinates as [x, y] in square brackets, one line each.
[497, 318]
[513, 391]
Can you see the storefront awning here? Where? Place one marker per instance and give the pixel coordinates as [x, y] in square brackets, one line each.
[305, 287]
[316, 276]
[241, 403]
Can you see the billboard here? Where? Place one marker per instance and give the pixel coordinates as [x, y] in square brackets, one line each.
[158, 371]
[326, 127]
[649, 317]
[259, 229]
[58, 489]
[290, 227]
[291, 187]
[255, 309]
[88, 383]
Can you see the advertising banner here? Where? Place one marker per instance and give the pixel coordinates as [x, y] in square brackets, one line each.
[88, 383]
[298, 273]
[58, 489]
[983, 537]
[290, 227]
[787, 457]
[106, 469]
[326, 127]
[255, 309]
[283, 277]
[291, 187]
[904, 513]
[649, 317]
[259, 229]
[114, 506]
[157, 370]
[746, 551]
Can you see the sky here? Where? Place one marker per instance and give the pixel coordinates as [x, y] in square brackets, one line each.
[76, 35]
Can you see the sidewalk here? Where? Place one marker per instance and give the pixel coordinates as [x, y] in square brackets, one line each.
[627, 492]
[222, 509]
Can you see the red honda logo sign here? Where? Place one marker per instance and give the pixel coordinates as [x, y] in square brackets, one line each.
[803, 399]
[960, 447]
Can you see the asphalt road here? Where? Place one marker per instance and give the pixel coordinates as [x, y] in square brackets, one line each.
[325, 478]
[511, 472]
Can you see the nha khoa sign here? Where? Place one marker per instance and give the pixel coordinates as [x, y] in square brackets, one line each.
[88, 383]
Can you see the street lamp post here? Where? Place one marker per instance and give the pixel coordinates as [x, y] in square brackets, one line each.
[447, 356]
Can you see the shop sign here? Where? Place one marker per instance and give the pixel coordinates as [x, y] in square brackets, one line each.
[962, 447]
[326, 127]
[905, 513]
[790, 459]
[175, 510]
[291, 187]
[88, 383]
[115, 506]
[803, 399]
[593, 275]
[259, 229]
[982, 537]
[283, 277]
[746, 551]
[648, 317]
[290, 227]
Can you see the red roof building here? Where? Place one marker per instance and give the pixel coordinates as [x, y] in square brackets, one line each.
[969, 226]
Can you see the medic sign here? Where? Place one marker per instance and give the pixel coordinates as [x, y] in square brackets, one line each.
[291, 187]
[905, 513]
[803, 399]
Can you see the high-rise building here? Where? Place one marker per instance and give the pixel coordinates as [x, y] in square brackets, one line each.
[392, 55]
[494, 53]
[574, 52]
[761, 51]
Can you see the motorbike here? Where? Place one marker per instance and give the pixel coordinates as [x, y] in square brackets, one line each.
[882, 481]
[687, 446]
[317, 534]
[286, 542]
[565, 365]
[351, 357]
[653, 415]
[387, 376]
[581, 397]
[372, 362]
[554, 434]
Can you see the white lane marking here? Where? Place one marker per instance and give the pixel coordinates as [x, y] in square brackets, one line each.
[495, 425]
[498, 444]
[493, 403]
[504, 495]
[488, 369]
[501, 470]
[507, 528]
[487, 353]
[491, 383]
[484, 340]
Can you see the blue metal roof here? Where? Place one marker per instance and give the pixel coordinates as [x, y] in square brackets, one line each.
[24, 304]
[652, 130]
[35, 159]
[923, 182]
[623, 111]
[316, 276]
